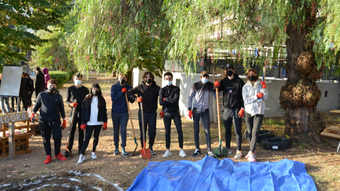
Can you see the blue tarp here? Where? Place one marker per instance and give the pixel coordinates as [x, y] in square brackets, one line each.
[213, 174]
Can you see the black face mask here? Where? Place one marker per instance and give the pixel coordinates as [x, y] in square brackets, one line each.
[252, 78]
[122, 82]
[96, 93]
[51, 89]
[148, 81]
[229, 73]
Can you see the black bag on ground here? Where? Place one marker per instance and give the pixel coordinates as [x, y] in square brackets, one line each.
[276, 143]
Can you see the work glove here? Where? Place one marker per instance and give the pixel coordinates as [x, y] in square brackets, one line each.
[241, 113]
[163, 98]
[259, 95]
[63, 126]
[264, 85]
[139, 99]
[190, 114]
[32, 117]
[74, 104]
[124, 89]
[83, 127]
[162, 114]
[105, 126]
[217, 84]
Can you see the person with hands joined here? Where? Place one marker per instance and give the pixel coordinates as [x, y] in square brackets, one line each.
[168, 98]
[254, 94]
[120, 115]
[147, 92]
[201, 92]
[51, 106]
[233, 110]
[94, 117]
[75, 97]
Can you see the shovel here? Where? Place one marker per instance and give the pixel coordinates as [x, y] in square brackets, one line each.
[263, 79]
[133, 130]
[219, 152]
[144, 152]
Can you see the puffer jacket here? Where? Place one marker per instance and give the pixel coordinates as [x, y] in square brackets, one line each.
[251, 102]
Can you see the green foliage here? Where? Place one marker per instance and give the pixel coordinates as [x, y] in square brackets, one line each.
[61, 77]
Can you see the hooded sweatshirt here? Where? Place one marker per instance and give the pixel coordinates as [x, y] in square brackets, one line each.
[149, 95]
[47, 77]
[118, 98]
[251, 103]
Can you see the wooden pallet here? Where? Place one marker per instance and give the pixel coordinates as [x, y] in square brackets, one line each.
[21, 145]
[332, 132]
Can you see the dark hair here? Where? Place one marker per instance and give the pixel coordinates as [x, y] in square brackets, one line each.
[38, 69]
[52, 81]
[101, 100]
[252, 70]
[168, 74]
[148, 73]
[78, 75]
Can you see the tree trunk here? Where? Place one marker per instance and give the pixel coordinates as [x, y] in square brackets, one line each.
[300, 95]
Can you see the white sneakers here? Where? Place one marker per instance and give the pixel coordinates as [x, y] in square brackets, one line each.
[238, 155]
[93, 156]
[167, 153]
[81, 159]
[251, 157]
[211, 154]
[182, 153]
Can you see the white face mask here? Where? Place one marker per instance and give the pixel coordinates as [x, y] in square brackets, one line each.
[168, 83]
[204, 80]
[77, 82]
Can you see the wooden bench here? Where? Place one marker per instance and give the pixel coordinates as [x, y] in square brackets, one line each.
[332, 132]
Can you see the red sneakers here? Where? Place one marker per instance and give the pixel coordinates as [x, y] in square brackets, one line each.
[48, 159]
[60, 157]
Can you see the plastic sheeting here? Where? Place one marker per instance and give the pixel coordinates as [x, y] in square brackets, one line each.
[213, 174]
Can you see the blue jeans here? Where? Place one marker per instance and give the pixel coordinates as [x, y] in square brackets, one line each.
[168, 116]
[119, 121]
[206, 122]
[149, 118]
[231, 115]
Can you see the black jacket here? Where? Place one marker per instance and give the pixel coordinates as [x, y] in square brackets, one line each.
[86, 111]
[51, 106]
[29, 85]
[171, 94]
[39, 82]
[232, 92]
[149, 95]
[79, 94]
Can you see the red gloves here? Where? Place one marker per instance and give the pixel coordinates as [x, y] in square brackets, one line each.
[32, 117]
[83, 126]
[105, 125]
[217, 84]
[63, 125]
[264, 85]
[164, 99]
[259, 95]
[162, 114]
[124, 90]
[190, 114]
[139, 99]
[241, 113]
[74, 104]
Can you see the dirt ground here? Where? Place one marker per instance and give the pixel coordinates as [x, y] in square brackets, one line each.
[110, 172]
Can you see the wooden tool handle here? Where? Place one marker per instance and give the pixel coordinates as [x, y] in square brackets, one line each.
[218, 115]
[127, 103]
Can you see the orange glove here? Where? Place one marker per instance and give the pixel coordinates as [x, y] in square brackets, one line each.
[124, 89]
[241, 113]
[139, 99]
[259, 95]
[63, 125]
[83, 127]
[164, 99]
[74, 104]
[190, 114]
[264, 85]
[162, 114]
[32, 117]
[105, 126]
[217, 84]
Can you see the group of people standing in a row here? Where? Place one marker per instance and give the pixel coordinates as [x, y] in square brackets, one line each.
[89, 111]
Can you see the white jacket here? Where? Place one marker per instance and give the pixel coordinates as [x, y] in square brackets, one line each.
[252, 104]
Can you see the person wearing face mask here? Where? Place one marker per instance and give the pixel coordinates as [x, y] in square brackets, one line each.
[201, 92]
[75, 96]
[120, 115]
[168, 98]
[94, 117]
[51, 106]
[254, 94]
[147, 92]
[233, 110]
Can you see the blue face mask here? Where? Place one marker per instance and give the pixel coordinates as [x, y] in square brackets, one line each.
[168, 83]
[204, 80]
[77, 82]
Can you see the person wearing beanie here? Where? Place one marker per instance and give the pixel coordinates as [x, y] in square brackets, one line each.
[94, 117]
[233, 110]
[39, 81]
[201, 92]
[120, 115]
[75, 97]
[51, 106]
[147, 93]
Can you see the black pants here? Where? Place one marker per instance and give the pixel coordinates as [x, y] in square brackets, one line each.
[46, 128]
[253, 127]
[89, 129]
[168, 116]
[231, 115]
[37, 91]
[72, 131]
[206, 122]
[29, 99]
[23, 99]
[149, 118]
